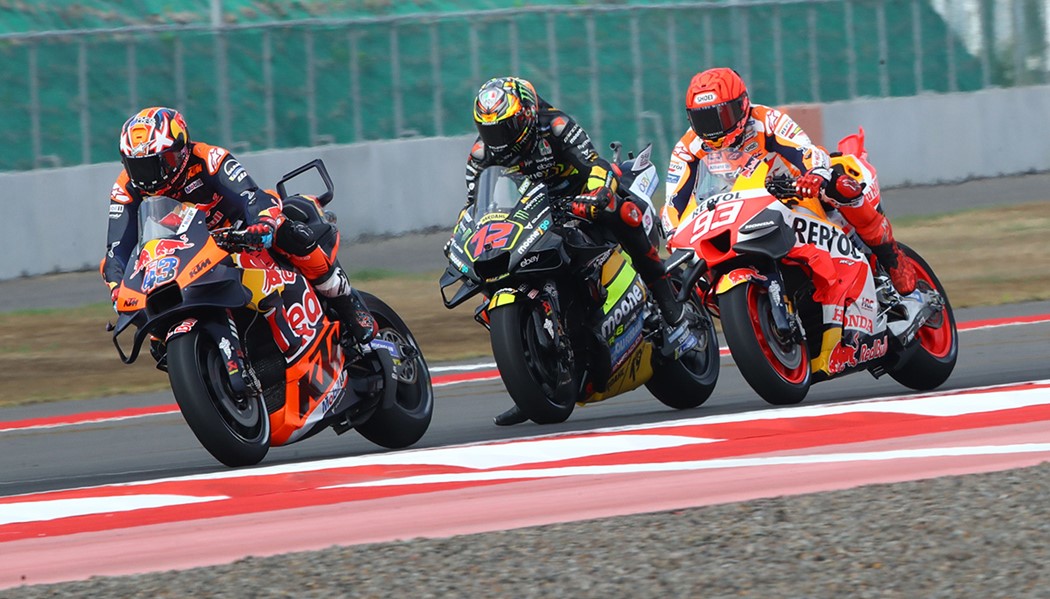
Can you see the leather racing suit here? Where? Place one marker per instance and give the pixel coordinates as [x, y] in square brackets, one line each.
[221, 188]
[773, 137]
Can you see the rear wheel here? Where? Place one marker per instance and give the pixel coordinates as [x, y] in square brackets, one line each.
[933, 361]
[777, 369]
[407, 420]
[235, 431]
[528, 361]
[688, 382]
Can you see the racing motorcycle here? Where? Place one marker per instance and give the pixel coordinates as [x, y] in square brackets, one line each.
[206, 302]
[570, 320]
[742, 238]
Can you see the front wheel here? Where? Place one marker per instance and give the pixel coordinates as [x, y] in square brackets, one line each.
[528, 361]
[777, 369]
[236, 431]
[407, 420]
[688, 382]
[933, 361]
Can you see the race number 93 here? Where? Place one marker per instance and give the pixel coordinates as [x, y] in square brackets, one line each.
[725, 213]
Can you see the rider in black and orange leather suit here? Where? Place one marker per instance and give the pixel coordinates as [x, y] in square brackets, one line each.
[160, 159]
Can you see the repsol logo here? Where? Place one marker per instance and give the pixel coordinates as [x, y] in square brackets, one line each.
[624, 307]
[824, 236]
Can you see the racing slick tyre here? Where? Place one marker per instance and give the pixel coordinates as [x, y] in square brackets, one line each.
[933, 361]
[777, 369]
[235, 431]
[528, 361]
[407, 420]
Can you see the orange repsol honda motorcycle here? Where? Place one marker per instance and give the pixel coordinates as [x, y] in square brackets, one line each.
[200, 297]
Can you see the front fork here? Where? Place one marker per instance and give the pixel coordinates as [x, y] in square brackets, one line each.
[785, 320]
[551, 326]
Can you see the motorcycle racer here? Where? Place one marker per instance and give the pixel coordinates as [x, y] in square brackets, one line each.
[160, 159]
[722, 118]
[517, 128]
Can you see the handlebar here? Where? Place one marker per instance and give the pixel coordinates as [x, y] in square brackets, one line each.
[232, 240]
[782, 187]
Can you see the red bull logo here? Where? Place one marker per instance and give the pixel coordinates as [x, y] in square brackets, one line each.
[158, 249]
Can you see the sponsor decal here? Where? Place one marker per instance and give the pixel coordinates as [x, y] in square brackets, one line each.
[162, 248]
[545, 148]
[304, 316]
[530, 260]
[119, 194]
[704, 97]
[626, 341]
[200, 267]
[192, 185]
[751, 147]
[624, 308]
[525, 245]
[194, 171]
[755, 226]
[215, 218]
[226, 347]
[856, 321]
[182, 327]
[116, 211]
[824, 236]
[234, 170]
[848, 356]
[215, 156]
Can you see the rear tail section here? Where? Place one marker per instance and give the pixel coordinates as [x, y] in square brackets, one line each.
[854, 144]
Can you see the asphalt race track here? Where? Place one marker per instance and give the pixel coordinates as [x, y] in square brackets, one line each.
[36, 460]
[161, 446]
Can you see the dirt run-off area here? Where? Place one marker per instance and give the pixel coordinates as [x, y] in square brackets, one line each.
[983, 257]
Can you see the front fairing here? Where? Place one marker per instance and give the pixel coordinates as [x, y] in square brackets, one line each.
[506, 231]
[175, 266]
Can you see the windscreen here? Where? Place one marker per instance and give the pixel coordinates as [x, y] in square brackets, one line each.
[719, 171]
[499, 190]
[161, 217]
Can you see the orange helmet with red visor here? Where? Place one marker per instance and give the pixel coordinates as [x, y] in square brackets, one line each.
[718, 107]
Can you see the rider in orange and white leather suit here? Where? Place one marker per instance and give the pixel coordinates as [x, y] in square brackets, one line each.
[722, 117]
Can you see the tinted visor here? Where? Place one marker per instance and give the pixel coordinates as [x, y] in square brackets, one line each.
[503, 138]
[151, 173]
[715, 122]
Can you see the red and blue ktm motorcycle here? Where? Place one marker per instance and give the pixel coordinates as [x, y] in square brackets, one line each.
[200, 297]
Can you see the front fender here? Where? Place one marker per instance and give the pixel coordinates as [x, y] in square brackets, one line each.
[503, 297]
[737, 276]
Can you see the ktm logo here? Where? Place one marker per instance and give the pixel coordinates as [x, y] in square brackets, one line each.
[194, 171]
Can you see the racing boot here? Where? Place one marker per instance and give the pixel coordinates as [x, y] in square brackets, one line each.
[678, 335]
[899, 266]
[512, 416]
[874, 228]
[348, 306]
